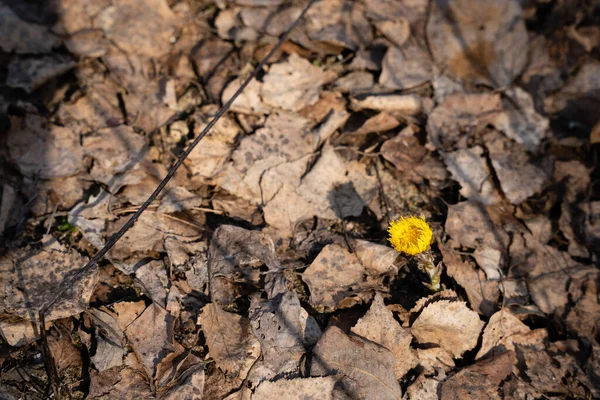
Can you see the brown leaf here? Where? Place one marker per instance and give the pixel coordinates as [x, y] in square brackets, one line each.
[284, 329]
[479, 42]
[30, 73]
[32, 278]
[44, 150]
[365, 367]
[24, 37]
[449, 324]
[376, 258]
[469, 167]
[236, 254]
[126, 24]
[301, 79]
[459, 113]
[335, 277]
[230, 341]
[151, 337]
[483, 294]
[497, 335]
[519, 177]
[297, 389]
[480, 380]
[379, 326]
[405, 67]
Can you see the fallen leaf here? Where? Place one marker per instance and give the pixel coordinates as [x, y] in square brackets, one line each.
[519, 177]
[301, 79]
[376, 258]
[355, 81]
[300, 388]
[469, 223]
[190, 385]
[333, 24]
[335, 278]
[120, 383]
[229, 341]
[151, 337]
[449, 324]
[405, 67]
[434, 360]
[497, 335]
[114, 150]
[480, 380]
[126, 24]
[236, 254]
[29, 73]
[520, 121]
[249, 101]
[423, 388]
[458, 114]
[43, 150]
[284, 329]
[403, 104]
[469, 167]
[31, 279]
[482, 293]
[479, 42]
[24, 37]
[364, 367]
[379, 326]
[19, 332]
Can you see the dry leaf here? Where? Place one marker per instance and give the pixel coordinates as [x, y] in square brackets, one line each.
[126, 24]
[478, 41]
[151, 337]
[43, 150]
[334, 26]
[30, 74]
[284, 329]
[114, 150]
[354, 81]
[469, 224]
[483, 294]
[364, 367]
[334, 278]
[449, 324]
[405, 67]
[301, 80]
[190, 386]
[434, 360]
[481, 380]
[120, 383]
[423, 388]
[402, 104]
[497, 335]
[24, 37]
[458, 114]
[30, 279]
[376, 258]
[379, 326]
[320, 388]
[237, 254]
[469, 167]
[518, 176]
[230, 341]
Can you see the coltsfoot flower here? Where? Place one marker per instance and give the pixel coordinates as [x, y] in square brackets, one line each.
[410, 235]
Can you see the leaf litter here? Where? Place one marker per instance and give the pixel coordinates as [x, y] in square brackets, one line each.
[263, 270]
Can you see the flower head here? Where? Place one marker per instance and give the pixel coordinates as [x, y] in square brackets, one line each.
[410, 235]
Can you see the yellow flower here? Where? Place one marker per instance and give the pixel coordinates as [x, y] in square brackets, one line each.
[411, 235]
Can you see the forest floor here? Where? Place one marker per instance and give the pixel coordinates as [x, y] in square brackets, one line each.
[264, 270]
